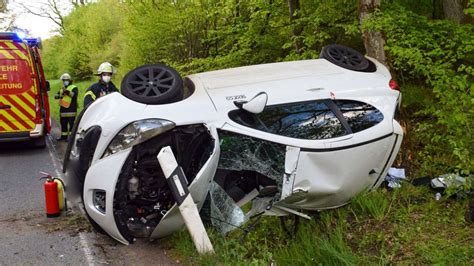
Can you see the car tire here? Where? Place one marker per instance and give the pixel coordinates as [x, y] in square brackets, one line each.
[153, 84]
[345, 57]
[40, 142]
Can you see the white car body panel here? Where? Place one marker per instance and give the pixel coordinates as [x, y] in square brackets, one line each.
[103, 175]
[313, 190]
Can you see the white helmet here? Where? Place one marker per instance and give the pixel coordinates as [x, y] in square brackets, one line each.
[65, 76]
[105, 67]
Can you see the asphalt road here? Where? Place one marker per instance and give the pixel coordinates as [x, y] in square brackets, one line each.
[27, 237]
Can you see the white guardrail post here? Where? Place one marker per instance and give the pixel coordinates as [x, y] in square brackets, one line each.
[178, 185]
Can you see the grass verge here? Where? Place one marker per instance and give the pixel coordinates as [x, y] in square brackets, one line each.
[405, 226]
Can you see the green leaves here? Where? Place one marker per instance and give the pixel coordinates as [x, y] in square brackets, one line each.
[440, 53]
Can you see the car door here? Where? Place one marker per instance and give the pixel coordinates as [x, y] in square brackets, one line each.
[329, 177]
[298, 125]
[334, 148]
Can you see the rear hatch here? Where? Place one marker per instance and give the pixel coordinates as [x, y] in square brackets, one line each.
[18, 88]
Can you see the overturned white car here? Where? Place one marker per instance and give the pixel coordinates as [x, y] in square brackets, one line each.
[290, 136]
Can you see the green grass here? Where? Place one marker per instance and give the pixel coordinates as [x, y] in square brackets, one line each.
[56, 85]
[405, 226]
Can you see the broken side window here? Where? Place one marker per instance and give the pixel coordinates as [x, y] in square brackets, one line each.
[359, 115]
[303, 120]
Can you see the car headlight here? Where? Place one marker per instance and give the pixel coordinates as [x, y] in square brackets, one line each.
[136, 133]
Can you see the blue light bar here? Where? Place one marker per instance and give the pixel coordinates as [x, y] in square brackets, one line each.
[32, 41]
[13, 36]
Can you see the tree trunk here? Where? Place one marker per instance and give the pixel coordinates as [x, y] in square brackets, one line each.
[294, 8]
[437, 9]
[3, 5]
[454, 11]
[373, 40]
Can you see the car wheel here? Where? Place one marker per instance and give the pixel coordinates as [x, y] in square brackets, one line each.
[39, 142]
[345, 57]
[153, 84]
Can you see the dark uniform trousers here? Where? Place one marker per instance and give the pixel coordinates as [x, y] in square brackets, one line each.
[67, 111]
[67, 122]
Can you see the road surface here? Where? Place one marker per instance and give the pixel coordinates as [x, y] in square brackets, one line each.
[28, 237]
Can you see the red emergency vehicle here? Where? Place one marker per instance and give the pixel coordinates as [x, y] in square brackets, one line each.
[24, 106]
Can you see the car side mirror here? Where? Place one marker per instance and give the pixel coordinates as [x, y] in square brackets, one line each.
[254, 105]
[48, 86]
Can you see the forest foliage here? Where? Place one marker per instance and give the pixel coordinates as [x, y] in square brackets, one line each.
[431, 58]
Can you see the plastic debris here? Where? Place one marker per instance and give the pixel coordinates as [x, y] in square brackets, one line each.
[452, 184]
[437, 196]
[395, 176]
[447, 180]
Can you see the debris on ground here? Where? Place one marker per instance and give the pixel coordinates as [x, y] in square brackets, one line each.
[452, 184]
[394, 177]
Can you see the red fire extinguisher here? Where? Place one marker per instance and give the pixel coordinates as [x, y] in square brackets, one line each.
[53, 193]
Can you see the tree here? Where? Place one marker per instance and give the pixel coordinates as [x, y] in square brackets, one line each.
[78, 2]
[3, 5]
[50, 9]
[454, 11]
[373, 40]
[437, 12]
[7, 18]
[294, 10]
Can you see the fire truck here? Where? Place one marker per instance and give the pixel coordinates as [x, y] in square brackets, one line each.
[24, 107]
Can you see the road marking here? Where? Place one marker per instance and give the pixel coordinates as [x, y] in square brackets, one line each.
[82, 237]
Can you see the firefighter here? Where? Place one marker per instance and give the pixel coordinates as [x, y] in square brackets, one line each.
[67, 96]
[103, 87]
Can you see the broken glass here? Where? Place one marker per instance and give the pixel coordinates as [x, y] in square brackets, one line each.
[239, 152]
[225, 214]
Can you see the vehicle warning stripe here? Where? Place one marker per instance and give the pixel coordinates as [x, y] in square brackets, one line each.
[8, 122]
[28, 101]
[5, 126]
[22, 124]
[21, 106]
[4, 54]
[4, 45]
[19, 51]
[12, 120]
[24, 112]
[1, 127]
[32, 94]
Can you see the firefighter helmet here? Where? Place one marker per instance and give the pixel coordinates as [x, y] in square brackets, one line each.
[65, 76]
[105, 67]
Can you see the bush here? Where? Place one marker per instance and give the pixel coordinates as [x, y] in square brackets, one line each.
[439, 53]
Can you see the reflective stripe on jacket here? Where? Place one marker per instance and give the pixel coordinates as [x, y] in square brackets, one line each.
[97, 90]
[66, 99]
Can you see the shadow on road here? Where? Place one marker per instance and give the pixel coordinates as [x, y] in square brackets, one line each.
[18, 148]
